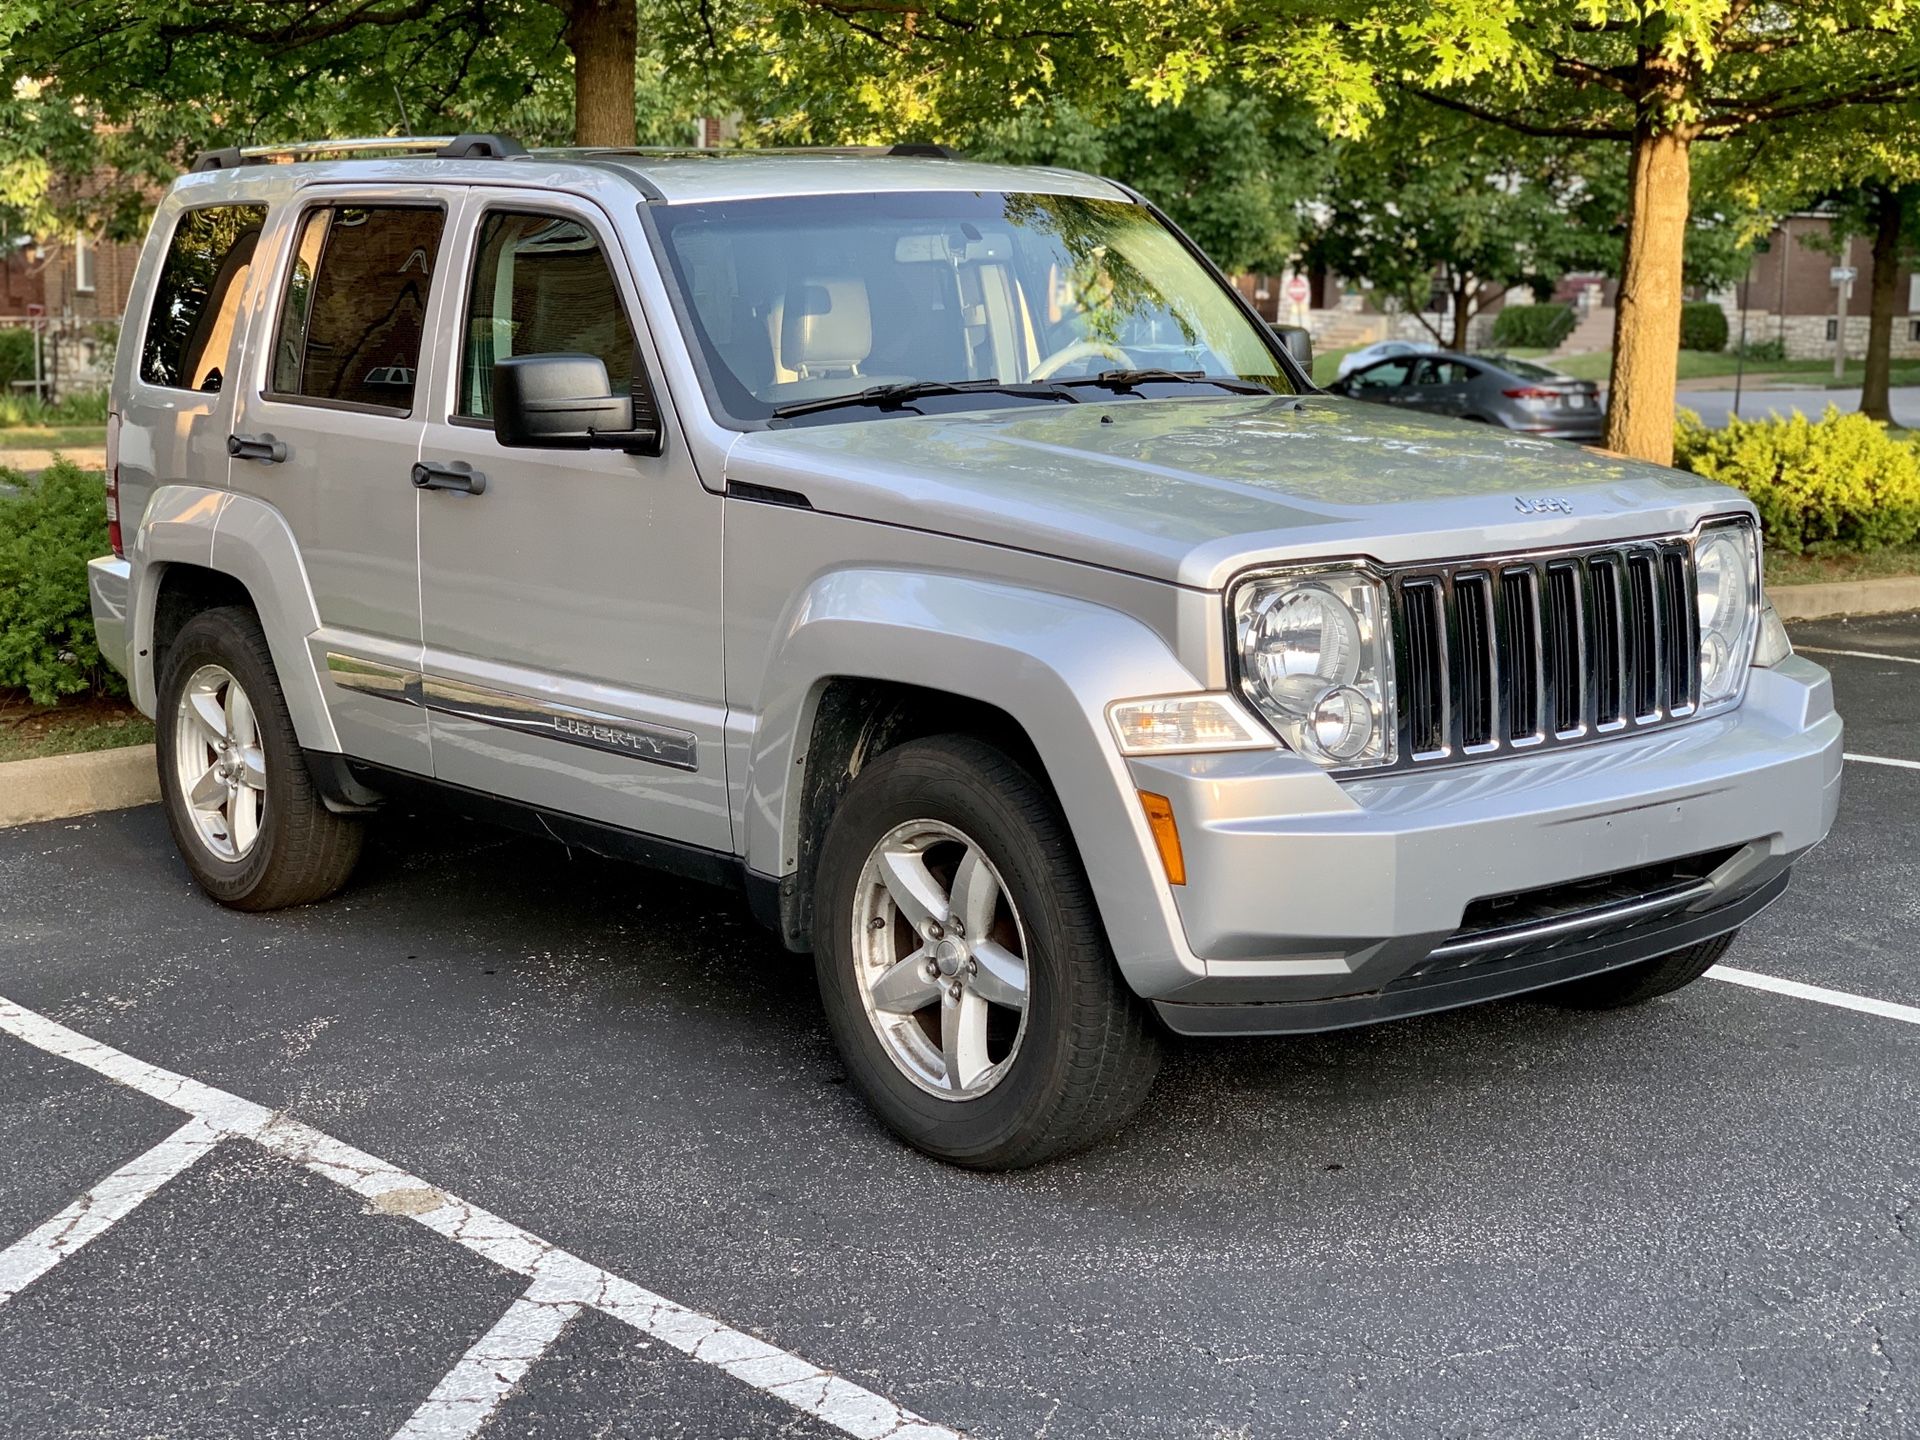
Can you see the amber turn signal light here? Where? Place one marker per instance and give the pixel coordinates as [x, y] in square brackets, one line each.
[1166, 835]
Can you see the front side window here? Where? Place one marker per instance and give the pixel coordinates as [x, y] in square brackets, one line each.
[197, 297]
[540, 286]
[1388, 375]
[356, 305]
[798, 299]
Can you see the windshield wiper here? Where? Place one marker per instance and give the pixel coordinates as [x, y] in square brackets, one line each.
[892, 397]
[1118, 380]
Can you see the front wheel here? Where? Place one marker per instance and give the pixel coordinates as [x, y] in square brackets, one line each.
[239, 799]
[963, 967]
[1647, 980]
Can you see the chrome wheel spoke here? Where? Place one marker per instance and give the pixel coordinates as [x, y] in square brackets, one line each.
[963, 1038]
[905, 987]
[253, 767]
[243, 816]
[976, 894]
[209, 716]
[209, 792]
[1002, 976]
[913, 889]
[241, 725]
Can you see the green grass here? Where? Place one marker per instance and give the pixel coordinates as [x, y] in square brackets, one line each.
[1326, 364]
[1825, 569]
[53, 437]
[88, 408]
[28, 732]
[1699, 365]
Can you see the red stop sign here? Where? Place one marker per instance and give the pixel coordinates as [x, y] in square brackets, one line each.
[1298, 290]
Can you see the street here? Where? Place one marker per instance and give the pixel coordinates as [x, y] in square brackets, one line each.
[434, 1158]
[1714, 406]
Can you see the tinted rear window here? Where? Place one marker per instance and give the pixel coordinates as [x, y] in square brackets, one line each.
[195, 303]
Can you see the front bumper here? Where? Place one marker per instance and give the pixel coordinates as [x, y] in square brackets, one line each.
[1361, 899]
[109, 587]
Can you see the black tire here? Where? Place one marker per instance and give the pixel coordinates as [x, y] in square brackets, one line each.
[1091, 1049]
[1648, 980]
[304, 852]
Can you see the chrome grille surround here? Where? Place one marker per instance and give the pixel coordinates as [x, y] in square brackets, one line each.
[1541, 650]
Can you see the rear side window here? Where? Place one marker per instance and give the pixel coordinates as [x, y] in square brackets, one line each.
[197, 299]
[541, 286]
[356, 305]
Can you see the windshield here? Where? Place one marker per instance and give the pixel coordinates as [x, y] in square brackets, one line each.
[1527, 370]
[803, 299]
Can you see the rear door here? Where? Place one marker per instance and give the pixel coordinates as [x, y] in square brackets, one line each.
[571, 600]
[328, 431]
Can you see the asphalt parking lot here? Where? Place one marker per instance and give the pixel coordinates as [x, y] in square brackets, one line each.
[449, 1155]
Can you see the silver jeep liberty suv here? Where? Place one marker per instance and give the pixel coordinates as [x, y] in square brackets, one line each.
[948, 556]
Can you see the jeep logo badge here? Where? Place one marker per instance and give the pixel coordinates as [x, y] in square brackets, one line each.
[1542, 505]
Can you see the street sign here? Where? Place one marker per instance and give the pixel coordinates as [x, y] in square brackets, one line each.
[36, 317]
[1298, 291]
[1841, 275]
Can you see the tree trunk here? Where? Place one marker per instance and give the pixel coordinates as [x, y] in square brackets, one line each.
[1874, 399]
[603, 35]
[1646, 327]
[1462, 313]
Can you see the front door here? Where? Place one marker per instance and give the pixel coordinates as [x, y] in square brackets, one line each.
[329, 430]
[570, 599]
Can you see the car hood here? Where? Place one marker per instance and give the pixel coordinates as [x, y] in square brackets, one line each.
[1191, 490]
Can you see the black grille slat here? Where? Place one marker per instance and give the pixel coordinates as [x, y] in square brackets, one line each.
[1473, 603]
[1505, 654]
[1609, 641]
[1426, 716]
[1520, 646]
[1643, 626]
[1682, 667]
[1565, 679]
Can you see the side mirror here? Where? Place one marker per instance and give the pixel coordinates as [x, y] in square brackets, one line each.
[565, 402]
[1297, 343]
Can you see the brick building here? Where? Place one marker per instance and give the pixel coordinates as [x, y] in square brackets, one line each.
[1789, 294]
[80, 285]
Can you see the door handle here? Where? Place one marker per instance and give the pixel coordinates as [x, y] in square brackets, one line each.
[448, 475]
[264, 448]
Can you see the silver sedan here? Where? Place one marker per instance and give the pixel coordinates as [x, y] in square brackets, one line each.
[1492, 389]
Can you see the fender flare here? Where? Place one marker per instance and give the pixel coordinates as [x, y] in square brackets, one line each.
[1051, 662]
[249, 541]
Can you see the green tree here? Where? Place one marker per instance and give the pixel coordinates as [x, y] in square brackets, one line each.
[1655, 76]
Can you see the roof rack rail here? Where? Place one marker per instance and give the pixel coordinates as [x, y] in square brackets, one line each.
[471, 146]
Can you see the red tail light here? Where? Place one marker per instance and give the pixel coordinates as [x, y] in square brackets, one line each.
[1531, 392]
[113, 487]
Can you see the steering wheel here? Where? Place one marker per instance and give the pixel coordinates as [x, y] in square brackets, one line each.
[1078, 350]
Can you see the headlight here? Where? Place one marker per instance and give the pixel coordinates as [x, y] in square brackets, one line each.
[1726, 561]
[1315, 659]
[1773, 646]
[1184, 725]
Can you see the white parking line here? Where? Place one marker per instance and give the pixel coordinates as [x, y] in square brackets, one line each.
[1819, 994]
[97, 1211]
[466, 1399]
[1859, 654]
[559, 1278]
[1882, 760]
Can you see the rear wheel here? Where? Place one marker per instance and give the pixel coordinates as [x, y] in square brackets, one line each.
[239, 799]
[1648, 980]
[963, 967]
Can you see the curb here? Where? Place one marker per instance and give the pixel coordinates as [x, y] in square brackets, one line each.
[1846, 597]
[59, 786]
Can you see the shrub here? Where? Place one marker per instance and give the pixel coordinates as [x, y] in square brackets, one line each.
[16, 358]
[1837, 483]
[1532, 327]
[78, 407]
[1771, 351]
[1703, 326]
[50, 526]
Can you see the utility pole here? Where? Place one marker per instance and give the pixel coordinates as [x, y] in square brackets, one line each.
[1842, 277]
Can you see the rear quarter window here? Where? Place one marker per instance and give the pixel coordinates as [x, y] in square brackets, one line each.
[197, 298]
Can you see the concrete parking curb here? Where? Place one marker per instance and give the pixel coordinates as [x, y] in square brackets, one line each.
[62, 785]
[1846, 597]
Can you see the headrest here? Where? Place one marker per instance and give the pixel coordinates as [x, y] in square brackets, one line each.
[826, 325]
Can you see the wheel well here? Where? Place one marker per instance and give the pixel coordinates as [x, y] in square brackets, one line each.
[855, 721]
[186, 590]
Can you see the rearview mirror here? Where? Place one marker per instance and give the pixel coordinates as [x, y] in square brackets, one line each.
[565, 402]
[1298, 343]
